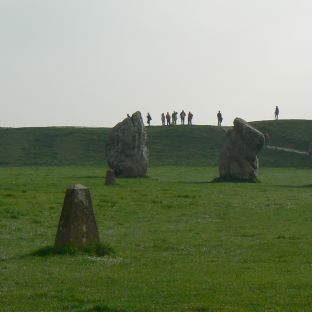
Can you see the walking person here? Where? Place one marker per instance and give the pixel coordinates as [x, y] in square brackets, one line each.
[276, 113]
[182, 116]
[149, 118]
[163, 119]
[174, 118]
[189, 118]
[220, 118]
[168, 118]
[267, 136]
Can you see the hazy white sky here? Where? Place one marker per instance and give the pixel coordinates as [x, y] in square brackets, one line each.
[90, 62]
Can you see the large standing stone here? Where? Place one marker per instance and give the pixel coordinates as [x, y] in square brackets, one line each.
[77, 226]
[126, 148]
[239, 156]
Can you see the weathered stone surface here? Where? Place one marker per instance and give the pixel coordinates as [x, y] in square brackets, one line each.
[110, 178]
[126, 148]
[77, 226]
[239, 159]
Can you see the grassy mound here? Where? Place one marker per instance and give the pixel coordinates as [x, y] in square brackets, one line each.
[187, 146]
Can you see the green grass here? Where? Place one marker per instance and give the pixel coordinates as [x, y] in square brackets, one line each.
[180, 243]
[52, 146]
[186, 146]
[99, 250]
[295, 134]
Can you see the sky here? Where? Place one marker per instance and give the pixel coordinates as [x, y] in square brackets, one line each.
[92, 62]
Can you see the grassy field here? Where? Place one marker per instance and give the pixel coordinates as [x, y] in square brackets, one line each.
[180, 242]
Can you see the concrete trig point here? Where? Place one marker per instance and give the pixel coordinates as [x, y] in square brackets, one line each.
[77, 226]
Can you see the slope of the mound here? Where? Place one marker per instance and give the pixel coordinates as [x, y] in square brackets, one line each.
[293, 134]
[196, 145]
[288, 134]
[52, 146]
[188, 146]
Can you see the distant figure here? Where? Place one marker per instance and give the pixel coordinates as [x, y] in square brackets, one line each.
[174, 118]
[182, 116]
[276, 112]
[189, 118]
[168, 118]
[149, 118]
[267, 136]
[220, 118]
[128, 116]
[310, 150]
[163, 119]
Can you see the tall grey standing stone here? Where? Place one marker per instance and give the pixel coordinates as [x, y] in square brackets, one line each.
[239, 159]
[77, 226]
[126, 148]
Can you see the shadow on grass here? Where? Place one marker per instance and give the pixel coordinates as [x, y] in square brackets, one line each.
[195, 182]
[103, 308]
[234, 180]
[222, 180]
[86, 177]
[99, 250]
[92, 177]
[296, 186]
[201, 309]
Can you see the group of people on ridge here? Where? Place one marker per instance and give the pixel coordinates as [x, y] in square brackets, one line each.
[173, 118]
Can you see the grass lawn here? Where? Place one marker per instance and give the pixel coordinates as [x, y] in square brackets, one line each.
[181, 243]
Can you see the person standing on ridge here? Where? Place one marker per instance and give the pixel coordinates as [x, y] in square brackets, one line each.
[220, 118]
[149, 118]
[182, 116]
[163, 119]
[168, 117]
[174, 118]
[276, 113]
[189, 118]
